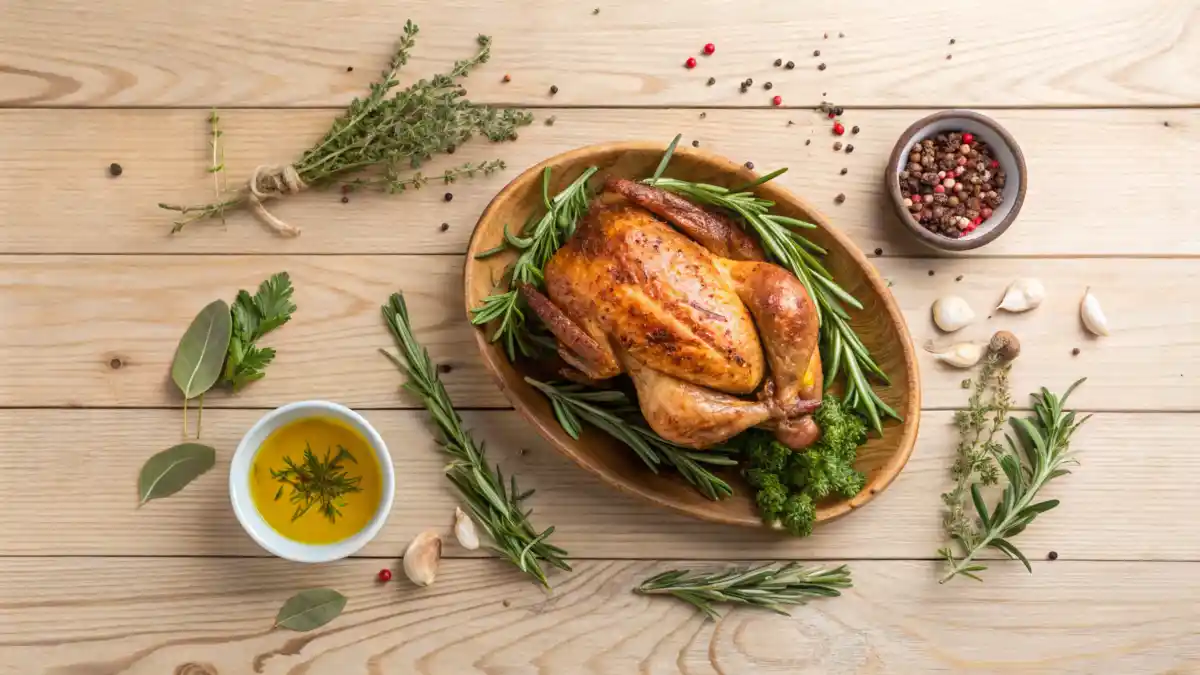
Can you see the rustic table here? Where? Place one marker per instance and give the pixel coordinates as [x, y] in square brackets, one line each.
[94, 294]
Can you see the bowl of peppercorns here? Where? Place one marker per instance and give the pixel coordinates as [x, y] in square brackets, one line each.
[957, 179]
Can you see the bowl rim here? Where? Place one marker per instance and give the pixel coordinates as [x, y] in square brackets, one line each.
[260, 530]
[560, 442]
[936, 241]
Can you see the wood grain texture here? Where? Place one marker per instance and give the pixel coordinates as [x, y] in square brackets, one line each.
[1033, 53]
[1112, 507]
[69, 319]
[57, 196]
[149, 617]
[880, 326]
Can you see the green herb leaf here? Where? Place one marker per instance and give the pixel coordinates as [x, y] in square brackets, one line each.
[767, 586]
[310, 609]
[171, 470]
[201, 350]
[253, 317]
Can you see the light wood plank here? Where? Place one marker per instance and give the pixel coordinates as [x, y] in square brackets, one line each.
[68, 320]
[57, 195]
[137, 53]
[143, 617]
[1112, 507]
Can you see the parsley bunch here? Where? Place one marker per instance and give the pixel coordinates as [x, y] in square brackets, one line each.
[253, 317]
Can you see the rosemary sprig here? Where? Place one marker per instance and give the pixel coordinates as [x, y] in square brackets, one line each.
[537, 242]
[766, 586]
[987, 410]
[387, 133]
[1037, 457]
[322, 483]
[843, 352]
[497, 508]
[613, 413]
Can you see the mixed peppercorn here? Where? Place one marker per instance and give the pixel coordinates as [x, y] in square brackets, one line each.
[951, 183]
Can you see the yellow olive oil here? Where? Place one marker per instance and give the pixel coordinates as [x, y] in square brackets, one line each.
[325, 436]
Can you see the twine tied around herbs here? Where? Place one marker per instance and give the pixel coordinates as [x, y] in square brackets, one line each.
[269, 181]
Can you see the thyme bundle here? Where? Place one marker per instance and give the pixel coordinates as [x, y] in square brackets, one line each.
[381, 135]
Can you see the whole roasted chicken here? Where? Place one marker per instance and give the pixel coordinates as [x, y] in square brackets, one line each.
[715, 339]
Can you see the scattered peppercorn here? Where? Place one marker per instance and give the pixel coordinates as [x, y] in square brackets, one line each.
[712, 81]
[840, 198]
[691, 62]
[827, 36]
[1053, 555]
[695, 144]
[1166, 123]
[767, 86]
[808, 141]
[838, 128]
[345, 199]
[777, 100]
[791, 123]
[553, 89]
[710, 48]
[448, 196]
[507, 603]
[506, 79]
[841, 35]
[349, 69]
[930, 272]
[837, 146]
[878, 251]
[958, 278]
[749, 81]
[703, 115]
[790, 65]
[821, 67]
[816, 52]
[1075, 351]
[114, 169]
[550, 121]
[444, 368]
[952, 40]
[749, 165]
[385, 575]
[845, 171]
[444, 226]
[854, 129]
[838, 110]
[778, 62]
[849, 148]
[949, 56]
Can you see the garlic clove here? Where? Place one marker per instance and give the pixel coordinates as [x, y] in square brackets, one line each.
[1023, 295]
[952, 313]
[422, 557]
[961, 355]
[1092, 314]
[464, 530]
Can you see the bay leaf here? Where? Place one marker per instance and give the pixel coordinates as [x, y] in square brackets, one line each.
[310, 609]
[172, 469]
[200, 356]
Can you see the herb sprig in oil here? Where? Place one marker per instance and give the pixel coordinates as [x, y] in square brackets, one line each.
[319, 482]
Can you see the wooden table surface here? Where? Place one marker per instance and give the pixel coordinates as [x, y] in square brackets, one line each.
[94, 294]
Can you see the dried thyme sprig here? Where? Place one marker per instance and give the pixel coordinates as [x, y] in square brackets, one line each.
[766, 586]
[381, 133]
[612, 412]
[987, 411]
[1036, 457]
[217, 167]
[496, 507]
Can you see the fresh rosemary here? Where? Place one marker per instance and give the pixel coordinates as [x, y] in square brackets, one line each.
[382, 133]
[781, 237]
[497, 508]
[766, 586]
[538, 241]
[987, 410]
[320, 482]
[612, 412]
[1036, 457]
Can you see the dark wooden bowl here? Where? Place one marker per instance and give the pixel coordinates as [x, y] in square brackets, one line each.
[880, 325]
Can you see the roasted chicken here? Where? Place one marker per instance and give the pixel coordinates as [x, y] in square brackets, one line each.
[715, 339]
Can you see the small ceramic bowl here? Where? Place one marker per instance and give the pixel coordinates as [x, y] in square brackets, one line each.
[258, 528]
[1004, 149]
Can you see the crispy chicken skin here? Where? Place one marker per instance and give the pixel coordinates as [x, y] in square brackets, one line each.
[695, 326]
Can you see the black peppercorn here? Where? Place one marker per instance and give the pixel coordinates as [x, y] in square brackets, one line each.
[1053, 555]
[821, 67]
[816, 52]
[703, 115]
[1075, 351]
[838, 111]
[349, 69]
[808, 141]
[712, 81]
[448, 196]
[444, 368]
[768, 86]
[114, 169]
[878, 251]
[854, 129]
[952, 40]
[553, 89]
[958, 278]
[778, 62]
[930, 272]
[444, 226]
[849, 149]
[549, 122]
[790, 65]
[827, 36]
[749, 165]
[845, 171]
[695, 144]
[837, 146]
[840, 198]
[949, 56]
[345, 200]
[841, 35]
[791, 123]
[749, 81]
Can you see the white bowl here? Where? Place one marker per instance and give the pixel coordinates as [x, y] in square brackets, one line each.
[258, 528]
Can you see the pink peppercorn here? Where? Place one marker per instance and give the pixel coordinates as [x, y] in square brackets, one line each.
[968, 137]
[916, 199]
[710, 48]
[939, 189]
[777, 100]
[985, 213]
[691, 62]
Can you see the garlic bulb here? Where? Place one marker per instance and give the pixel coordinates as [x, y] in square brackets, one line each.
[422, 557]
[464, 530]
[1092, 314]
[961, 355]
[952, 313]
[1023, 295]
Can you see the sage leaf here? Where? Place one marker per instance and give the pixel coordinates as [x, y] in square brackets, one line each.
[172, 469]
[201, 353]
[310, 609]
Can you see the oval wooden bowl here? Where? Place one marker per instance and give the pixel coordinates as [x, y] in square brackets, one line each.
[880, 325]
